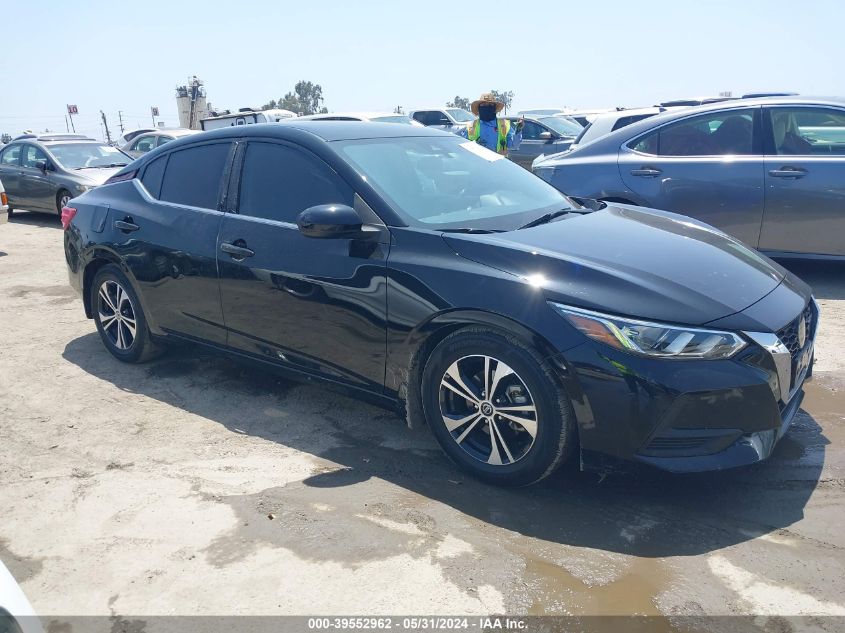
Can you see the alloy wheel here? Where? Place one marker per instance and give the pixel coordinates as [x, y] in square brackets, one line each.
[116, 314]
[63, 202]
[488, 410]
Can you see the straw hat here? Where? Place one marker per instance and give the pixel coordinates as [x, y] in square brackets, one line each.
[487, 97]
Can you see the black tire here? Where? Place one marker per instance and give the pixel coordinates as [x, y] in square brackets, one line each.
[61, 200]
[11, 212]
[532, 383]
[116, 333]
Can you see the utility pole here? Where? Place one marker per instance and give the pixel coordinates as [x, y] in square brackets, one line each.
[120, 118]
[106, 125]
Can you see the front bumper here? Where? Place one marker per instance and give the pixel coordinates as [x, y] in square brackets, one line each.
[687, 416]
[4, 213]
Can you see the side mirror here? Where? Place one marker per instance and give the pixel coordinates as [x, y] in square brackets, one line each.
[327, 221]
[41, 164]
[546, 136]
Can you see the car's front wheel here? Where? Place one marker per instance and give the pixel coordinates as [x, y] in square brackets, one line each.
[496, 408]
[62, 200]
[119, 317]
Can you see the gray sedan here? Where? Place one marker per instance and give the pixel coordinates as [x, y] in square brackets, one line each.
[768, 171]
[43, 172]
[543, 135]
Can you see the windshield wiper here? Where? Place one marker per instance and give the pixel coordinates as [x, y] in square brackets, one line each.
[468, 229]
[109, 166]
[548, 217]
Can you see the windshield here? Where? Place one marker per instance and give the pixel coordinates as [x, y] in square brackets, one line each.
[461, 116]
[444, 183]
[398, 118]
[88, 155]
[562, 125]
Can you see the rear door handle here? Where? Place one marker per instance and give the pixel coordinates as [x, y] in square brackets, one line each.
[788, 172]
[646, 172]
[237, 252]
[125, 226]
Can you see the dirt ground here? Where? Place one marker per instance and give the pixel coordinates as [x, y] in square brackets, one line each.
[198, 485]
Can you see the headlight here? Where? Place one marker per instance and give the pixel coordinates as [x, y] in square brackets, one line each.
[656, 340]
[83, 188]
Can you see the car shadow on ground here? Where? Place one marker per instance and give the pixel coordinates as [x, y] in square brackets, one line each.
[824, 277]
[641, 512]
[33, 218]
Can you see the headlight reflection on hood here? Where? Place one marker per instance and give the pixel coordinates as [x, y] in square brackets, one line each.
[655, 340]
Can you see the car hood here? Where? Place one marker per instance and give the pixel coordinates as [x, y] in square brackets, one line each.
[631, 261]
[97, 175]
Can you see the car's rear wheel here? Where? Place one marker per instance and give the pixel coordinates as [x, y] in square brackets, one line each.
[62, 199]
[119, 317]
[496, 408]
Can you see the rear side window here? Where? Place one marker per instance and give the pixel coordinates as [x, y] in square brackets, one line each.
[627, 120]
[194, 175]
[721, 133]
[279, 182]
[11, 155]
[153, 176]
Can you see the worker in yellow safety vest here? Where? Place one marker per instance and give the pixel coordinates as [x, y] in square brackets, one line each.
[489, 131]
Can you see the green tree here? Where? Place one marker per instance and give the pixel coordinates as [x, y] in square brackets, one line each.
[459, 102]
[505, 97]
[306, 98]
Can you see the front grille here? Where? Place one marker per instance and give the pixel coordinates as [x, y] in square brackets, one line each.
[789, 336]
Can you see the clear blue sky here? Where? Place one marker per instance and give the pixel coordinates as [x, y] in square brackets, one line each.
[375, 55]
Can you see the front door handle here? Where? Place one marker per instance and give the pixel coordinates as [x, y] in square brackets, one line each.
[126, 225]
[646, 172]
[788, 172]
[237, 252]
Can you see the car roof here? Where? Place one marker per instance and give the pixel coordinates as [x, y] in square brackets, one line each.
[361, 115]
[293, 129]
[617, 137]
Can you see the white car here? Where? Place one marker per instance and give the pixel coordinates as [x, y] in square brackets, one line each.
[16, 614]
[4, 205]
[378, 117]
[587, 116]
[613, 120]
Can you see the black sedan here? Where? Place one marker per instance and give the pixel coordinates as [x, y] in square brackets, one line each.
[415, 269]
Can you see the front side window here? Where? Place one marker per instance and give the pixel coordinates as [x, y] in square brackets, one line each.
[194, 175]
[164, 139]
[11, 155]
[531, 131]
[31, 155]
[723, 133]
[808, 131]
[279, 182]
[89, 155]
[145, 144]
[441, 183]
